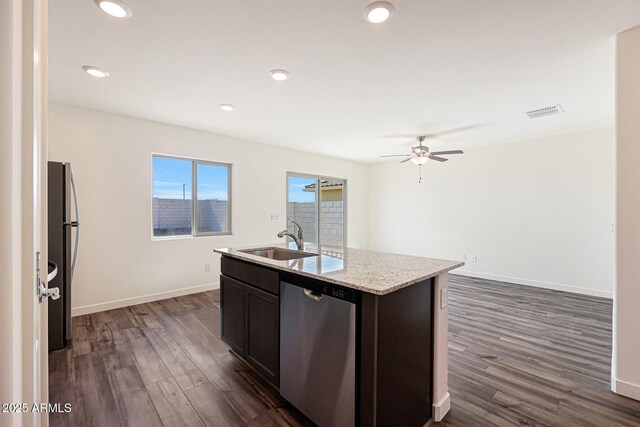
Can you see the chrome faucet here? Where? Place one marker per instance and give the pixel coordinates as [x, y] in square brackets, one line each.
[298, 239]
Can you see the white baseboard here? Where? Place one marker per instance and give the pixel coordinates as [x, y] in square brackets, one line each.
[626, 389]
[126, 302]
[538, 284]
[441, 408]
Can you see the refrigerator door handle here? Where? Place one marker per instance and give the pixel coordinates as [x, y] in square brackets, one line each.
[43, 291]
[75, 224]
[53, 273]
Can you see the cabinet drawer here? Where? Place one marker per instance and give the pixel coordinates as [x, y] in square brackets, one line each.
[260, 277]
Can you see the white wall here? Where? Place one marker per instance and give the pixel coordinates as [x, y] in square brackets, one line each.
[626, 320]
[119, 264]
[537, 212]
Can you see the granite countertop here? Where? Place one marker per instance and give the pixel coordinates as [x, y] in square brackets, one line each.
[378, 273]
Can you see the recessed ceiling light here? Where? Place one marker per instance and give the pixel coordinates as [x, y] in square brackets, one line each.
[279, 75]
[378, 12]
[115, 8]
[227, 107]
[95, 71]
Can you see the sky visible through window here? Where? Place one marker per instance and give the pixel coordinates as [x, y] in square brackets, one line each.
[213, 182]
[172, 180]
[296, 189]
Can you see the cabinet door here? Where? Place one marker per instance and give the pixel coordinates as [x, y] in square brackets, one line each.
[232, 301]
[263, 334]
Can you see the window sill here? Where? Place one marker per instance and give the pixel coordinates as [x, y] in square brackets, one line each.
[170, 238]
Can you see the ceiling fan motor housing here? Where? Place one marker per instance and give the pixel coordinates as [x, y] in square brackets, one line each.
[420, 150]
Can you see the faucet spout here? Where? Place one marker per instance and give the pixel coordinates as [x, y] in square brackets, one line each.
[299, 239]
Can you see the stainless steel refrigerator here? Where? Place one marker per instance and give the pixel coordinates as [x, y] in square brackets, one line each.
[63, 232]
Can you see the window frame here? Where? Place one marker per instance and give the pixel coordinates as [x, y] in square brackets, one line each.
[194, 197]
[319, 178]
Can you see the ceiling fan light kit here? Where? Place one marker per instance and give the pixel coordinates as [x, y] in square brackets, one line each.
[419, 160]
[420, 155]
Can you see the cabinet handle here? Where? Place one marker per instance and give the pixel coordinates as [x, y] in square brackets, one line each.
[312, 295]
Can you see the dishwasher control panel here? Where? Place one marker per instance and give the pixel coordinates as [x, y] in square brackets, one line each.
[335, 292]
[339, 293]
[324, 288]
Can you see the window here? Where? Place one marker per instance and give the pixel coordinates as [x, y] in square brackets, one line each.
[188, 192]
[318, 204]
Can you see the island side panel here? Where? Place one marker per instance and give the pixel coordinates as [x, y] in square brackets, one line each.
[396, 357]
[441, 397]
[367, 374]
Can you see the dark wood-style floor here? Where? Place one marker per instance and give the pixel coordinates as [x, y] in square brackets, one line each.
[518, 356]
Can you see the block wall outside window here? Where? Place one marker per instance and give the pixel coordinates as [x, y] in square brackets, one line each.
[174, 200]
[318, 204]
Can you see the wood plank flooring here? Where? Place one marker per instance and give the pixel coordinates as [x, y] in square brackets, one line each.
[160, 363]
[518, 356]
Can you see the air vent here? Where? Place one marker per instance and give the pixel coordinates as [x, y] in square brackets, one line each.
[544, 112]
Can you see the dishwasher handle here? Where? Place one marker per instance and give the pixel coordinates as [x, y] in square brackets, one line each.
[316, 296]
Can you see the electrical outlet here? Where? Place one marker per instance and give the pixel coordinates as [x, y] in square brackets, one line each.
[474, 258]
[275, 217]
[207, 268]
[444, 298]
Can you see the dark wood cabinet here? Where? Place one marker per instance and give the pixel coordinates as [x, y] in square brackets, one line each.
[251, 316]
[396, 354]
[263, 333]
[256, 276]
[232, 301]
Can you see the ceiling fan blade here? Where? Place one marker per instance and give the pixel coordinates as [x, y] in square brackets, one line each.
[438, 159]
[405, 160]
[437, 153]
[396, 155]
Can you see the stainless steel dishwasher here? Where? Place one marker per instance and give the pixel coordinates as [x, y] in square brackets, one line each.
[317, 352]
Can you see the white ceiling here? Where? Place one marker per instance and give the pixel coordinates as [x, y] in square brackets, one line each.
[435, 65]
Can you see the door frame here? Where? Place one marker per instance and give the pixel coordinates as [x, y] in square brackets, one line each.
[23, 156]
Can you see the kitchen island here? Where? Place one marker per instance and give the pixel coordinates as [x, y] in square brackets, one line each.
[348, 336]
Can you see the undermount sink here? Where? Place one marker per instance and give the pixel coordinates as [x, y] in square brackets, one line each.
[279, 254]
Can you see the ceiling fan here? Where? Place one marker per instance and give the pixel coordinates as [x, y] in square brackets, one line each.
[420, 154]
